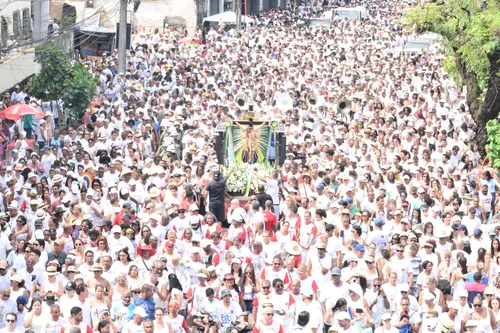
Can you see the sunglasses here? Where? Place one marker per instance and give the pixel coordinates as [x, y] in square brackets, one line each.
[10, 320]
[478, 305]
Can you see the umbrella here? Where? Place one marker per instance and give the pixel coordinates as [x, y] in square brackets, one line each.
[187, 40]
[16, 111]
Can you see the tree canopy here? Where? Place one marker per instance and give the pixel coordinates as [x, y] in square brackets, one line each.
[471, 37]
[59, 78]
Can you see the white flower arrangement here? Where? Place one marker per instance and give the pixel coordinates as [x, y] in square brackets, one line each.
[240, 176]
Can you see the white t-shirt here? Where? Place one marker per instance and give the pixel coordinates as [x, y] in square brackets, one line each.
[273, 190]
[227, 315]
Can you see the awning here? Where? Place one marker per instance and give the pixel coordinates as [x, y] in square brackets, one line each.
[96, 31]
[227, 17]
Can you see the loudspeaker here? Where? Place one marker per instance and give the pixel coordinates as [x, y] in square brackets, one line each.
[129, 34]
[219, 148]
[281, 153]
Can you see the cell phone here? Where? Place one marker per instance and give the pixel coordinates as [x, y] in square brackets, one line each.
[359, 310]
[33, 278]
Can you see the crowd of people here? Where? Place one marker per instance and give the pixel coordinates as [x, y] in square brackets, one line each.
[382, 218]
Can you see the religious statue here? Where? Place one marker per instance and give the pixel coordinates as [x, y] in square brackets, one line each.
[250, 136]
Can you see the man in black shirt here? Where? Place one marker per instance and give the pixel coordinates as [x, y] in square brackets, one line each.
[262, 196]
[216, 190]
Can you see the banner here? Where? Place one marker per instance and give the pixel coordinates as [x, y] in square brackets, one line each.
[248, 144]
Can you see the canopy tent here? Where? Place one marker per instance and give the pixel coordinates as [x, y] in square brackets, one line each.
[227, 17]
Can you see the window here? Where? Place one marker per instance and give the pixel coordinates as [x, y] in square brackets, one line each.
[26, 23]
[17, 27]
[228, 5]
[4, 32]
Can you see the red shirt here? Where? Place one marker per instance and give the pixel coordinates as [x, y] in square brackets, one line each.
[270, 221]
[119, 218]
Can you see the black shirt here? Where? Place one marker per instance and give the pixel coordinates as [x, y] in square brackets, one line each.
[262, 198]
[216, 190]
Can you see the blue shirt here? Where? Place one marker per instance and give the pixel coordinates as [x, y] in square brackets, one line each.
[148, 305]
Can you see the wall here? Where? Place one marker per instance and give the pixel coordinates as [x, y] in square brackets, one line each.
[7, 14]
[17, 68]
[152, 12]
[149, 16]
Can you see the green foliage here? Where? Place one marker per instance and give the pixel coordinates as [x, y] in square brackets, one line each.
[79, 91]
[60, 79]
[493, 146]
[450, 66]
[55, 68]
[470, 29]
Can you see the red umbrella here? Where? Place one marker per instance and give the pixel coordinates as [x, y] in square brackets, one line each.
[187, 40]
[16, 111]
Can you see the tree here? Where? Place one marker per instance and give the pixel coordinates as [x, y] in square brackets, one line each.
[471, 37]
[61, 79]
[493, 146]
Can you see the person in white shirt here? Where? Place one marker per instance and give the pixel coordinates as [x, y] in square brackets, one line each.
[344, 323]
[386, 326]
[228, 310]
[11, 323]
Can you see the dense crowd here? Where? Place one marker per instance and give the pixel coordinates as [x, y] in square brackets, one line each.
[381, 219]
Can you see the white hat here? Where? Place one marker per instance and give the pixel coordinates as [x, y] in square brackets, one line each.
[194, 220]
[116, 229]
[403, 287]
[343, 315]
[139, 310]
[429, 297]
[307, 292]
[356, 288]
[454, 305]
[463, 293]
[385, 316]
[17, 278]
[205, 242]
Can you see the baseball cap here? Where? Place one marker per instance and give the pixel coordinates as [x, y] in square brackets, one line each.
[22, 300]
[343, 315]
[70, 286]
[335, 271]
[139, 310]
[360, 247]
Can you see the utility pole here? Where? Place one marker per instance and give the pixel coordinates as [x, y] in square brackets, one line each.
[122, 37]
[238, 15]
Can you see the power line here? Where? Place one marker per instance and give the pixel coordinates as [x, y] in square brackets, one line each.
[81, 22]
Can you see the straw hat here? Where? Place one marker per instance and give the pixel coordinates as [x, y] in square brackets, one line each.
[154, 192]
[52, 270]
[96, 268]
[293, 248]
[125, 171]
